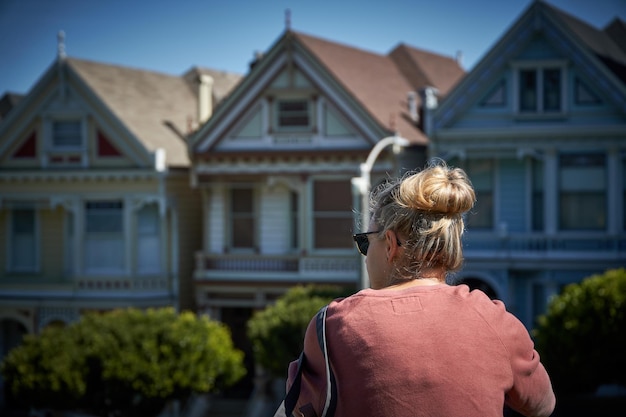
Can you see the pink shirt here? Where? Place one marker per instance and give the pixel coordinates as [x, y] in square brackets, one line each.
[425, 351]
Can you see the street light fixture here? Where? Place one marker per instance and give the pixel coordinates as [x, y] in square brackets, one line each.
[363, 186]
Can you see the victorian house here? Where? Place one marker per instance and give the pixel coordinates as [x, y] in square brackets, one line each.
[540, 125]
[96, 207]
[274, 166]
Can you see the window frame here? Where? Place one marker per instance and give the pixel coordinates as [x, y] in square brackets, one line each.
[60, 155]
[539, 68]
[253, 215]
[581, 192]
[89, 269]
[277, 115]
[348, 216]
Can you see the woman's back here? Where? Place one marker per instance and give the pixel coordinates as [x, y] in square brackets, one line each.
[427, 351]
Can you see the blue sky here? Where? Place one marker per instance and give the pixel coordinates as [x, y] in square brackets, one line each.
[172, 36]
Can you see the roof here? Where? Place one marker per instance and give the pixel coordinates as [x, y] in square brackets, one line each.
[608, 45]
[157, 108]
[380, 83]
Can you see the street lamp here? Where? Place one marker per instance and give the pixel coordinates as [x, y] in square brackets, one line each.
[363, 186]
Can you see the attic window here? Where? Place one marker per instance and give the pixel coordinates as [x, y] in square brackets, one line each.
[541, 89]
[67, 134]
[293, 114]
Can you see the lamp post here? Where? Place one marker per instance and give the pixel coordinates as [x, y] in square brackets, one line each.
[363, 186]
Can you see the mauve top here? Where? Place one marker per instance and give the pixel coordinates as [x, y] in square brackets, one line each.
[424, 351]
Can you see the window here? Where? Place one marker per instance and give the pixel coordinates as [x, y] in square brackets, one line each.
[23, 240]
[480, 172]
[540, 90]
[537, 195]
[148, 240]
[104, 250]
[67, 134]
[332, 214]
[243, 225]
[293, 115]
[582, 195]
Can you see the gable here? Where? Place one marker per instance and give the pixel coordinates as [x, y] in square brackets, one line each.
[288, 103]
[537, 73]
[291, 114]
[63, 126]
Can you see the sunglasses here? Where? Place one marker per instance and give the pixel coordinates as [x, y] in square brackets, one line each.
[362, 242]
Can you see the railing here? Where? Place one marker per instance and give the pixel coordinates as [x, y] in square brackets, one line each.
[277, 267]
[519, 246]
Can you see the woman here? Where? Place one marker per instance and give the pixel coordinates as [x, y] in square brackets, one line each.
[413, 345]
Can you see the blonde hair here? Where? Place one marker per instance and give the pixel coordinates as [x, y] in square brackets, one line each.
[426, 208]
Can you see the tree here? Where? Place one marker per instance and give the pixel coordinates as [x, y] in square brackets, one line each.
[124, 362]
[581, 338]
[277, 333]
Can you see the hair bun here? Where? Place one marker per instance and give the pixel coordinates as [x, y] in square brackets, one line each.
[438, 189]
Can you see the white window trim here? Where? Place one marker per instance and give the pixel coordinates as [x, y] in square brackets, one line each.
[539, 66]
[49, 147]
[311, 104]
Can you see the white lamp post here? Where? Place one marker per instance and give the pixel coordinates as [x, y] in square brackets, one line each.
[363, 185]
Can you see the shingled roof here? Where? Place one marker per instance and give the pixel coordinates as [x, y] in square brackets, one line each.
[608, 44]
[380, 83]
[157, 108]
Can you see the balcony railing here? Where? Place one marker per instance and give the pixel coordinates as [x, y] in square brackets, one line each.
[342, 268]
[561, 247]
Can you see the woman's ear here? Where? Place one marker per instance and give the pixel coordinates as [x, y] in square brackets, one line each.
[391, 244]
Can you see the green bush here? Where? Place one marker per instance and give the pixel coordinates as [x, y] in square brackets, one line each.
[125, 362]
[277, 333]
[582, 337]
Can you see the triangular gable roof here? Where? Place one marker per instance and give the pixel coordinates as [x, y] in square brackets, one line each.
[596, 46]
[375, 82]
[157, 110]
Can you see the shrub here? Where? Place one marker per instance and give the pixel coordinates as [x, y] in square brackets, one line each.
[125, 362]
[582, 337]
[277, 333]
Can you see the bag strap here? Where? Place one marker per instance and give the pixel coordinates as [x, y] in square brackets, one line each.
[331, 389]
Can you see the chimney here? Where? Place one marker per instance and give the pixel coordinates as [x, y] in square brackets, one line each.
[429, 104]
[459, 58]
[205, 97]
[412, 101]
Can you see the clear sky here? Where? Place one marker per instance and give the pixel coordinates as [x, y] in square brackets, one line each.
[172, 36]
